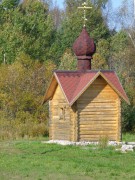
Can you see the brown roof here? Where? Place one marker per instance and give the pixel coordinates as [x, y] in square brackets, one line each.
[74, 83]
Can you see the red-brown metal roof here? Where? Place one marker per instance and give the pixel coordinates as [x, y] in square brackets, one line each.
[113, 80]
[73, 83]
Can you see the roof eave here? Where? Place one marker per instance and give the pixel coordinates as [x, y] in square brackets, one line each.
[47, 96]
[61, 87]
[94, 78]
[115, 89]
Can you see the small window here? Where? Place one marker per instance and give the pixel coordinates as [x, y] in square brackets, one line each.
[62, 113]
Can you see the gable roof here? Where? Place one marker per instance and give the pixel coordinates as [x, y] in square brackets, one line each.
[74, 83]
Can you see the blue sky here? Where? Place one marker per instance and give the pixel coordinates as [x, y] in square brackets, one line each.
[115, 3]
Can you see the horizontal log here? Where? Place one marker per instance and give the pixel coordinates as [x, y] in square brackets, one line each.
[98, 94]
[95, 126]
[68, 133]
[65, 131]
[98, 113]
[61, 133]
[103, 125]
[59, 101]
[56, 101]
[96, 131]
[62, 123]
[100, 122]
[98, 90]
[97, 110]
[61, 126]
[92, 93]
[58, 120]
[56, 131]
[97, 118]
[97, 105]
[96, 136]
[59, 97]
[95, 100]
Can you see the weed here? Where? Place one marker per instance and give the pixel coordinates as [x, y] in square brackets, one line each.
[103, 142]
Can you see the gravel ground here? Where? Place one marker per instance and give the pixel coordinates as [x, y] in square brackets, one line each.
[124, 146]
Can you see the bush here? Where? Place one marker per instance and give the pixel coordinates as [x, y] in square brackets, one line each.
[22, 86]
[15, 129]
[128, 113]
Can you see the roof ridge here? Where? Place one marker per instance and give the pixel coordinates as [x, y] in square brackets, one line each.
[82, 72]
[77, 85]
[88, 83]
[74, 71]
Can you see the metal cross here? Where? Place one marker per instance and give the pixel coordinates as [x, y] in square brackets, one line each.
[84, 12]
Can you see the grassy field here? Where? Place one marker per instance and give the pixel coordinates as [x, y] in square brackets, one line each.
[128, 137]
[33, 160]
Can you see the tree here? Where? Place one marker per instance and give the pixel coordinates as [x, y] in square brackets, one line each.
[72, 25]
[22, 86]
[68, 61]
[29, 29]
[126, 18]
[122, 60]
[10, 4]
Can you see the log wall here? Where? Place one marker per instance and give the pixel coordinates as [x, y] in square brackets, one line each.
[96, 114]
[62, 124]
[99, 113]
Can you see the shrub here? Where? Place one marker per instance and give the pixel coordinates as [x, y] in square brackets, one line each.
[22, 86]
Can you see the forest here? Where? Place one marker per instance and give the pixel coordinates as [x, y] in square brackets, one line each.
[36, 37]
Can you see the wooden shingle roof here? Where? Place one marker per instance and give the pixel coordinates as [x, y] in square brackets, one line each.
[74, 83]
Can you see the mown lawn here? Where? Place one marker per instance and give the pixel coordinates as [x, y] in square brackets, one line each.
[33, 160]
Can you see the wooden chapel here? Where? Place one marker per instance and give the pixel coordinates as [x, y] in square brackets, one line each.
[85, 105]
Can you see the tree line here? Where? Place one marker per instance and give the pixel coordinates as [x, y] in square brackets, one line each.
[36, 37]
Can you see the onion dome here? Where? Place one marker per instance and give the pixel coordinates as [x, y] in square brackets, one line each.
[84, 47]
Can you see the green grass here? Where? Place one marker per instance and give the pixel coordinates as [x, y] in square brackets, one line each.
[33, 160]
[128, 137]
